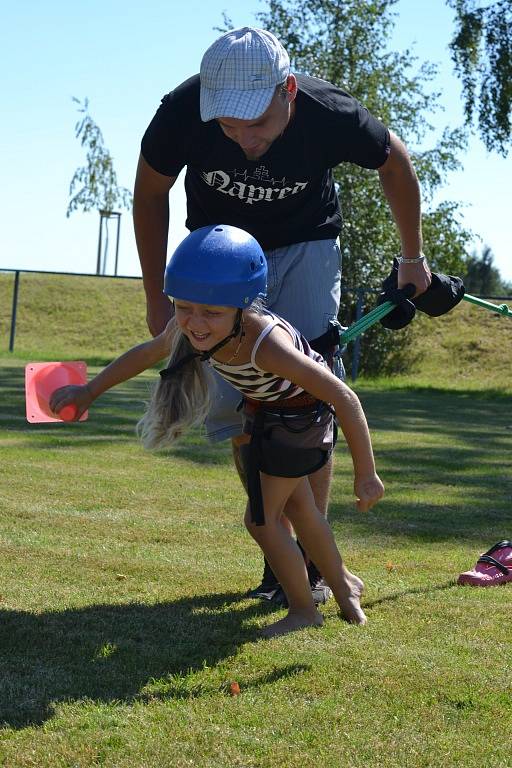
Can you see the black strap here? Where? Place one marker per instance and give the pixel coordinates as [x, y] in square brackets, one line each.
[500, 545]
[331, 338]
[496, 563]
[400, 295]
[252, 453]
[319, 408]
[166, 373]
[253, 469]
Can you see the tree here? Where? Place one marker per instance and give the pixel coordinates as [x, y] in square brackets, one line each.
[482, 53]
[96, 181]
[482, 277]
[345, 42]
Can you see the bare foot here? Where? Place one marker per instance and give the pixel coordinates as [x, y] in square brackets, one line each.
[349, 603]
[291, 623]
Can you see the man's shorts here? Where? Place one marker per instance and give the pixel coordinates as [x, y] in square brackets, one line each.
[303, 286]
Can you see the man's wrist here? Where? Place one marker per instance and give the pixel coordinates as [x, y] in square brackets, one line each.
[154, 293]
[416, 260]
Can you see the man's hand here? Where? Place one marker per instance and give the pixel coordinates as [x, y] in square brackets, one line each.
[151, 222]
[419, 274]
[159, 312]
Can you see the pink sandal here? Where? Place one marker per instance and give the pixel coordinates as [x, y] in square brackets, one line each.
[492, 568]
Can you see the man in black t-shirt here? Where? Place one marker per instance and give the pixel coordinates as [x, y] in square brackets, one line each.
[259, 144]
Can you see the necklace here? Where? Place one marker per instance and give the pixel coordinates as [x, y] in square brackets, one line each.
[237, 350]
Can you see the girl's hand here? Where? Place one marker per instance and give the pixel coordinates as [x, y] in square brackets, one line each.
[368, 490]
[78, 396]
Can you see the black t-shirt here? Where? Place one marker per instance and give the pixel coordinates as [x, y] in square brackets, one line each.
[287, 195]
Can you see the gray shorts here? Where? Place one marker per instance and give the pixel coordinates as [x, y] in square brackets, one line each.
[304, 281]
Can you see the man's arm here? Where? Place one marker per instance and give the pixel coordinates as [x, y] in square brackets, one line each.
[151, 223]
[402, 191]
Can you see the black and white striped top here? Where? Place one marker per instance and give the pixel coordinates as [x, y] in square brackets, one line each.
[253, 381]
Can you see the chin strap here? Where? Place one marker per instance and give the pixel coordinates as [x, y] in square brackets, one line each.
[166, 373]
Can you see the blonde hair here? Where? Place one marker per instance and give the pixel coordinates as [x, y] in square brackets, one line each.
[181, 401]
[178, 402]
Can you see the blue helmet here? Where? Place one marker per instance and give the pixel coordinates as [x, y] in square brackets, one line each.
[219, 265]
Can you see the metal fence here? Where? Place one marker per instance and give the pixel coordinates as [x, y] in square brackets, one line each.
[16, 288]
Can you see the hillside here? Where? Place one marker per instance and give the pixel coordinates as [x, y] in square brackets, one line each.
[95, 318]
[469, 348]
[72, 317]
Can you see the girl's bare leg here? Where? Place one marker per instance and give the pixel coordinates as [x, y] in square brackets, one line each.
[284, 556]
[316, 536]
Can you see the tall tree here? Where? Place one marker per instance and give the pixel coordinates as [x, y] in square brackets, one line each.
[97, 180]
[481, 276]
[482, 53]
[346, 42]
[97, 185]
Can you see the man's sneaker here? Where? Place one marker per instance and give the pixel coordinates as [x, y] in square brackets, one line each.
[279, 598]
[319, 588]
[320, 591]
[268, 587]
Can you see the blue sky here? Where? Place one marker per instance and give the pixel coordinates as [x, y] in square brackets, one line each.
[123, 56]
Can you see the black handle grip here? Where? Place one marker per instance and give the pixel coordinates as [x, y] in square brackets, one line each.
[399, 295]
[408, 290]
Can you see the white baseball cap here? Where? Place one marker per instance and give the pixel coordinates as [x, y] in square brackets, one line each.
[239, 74]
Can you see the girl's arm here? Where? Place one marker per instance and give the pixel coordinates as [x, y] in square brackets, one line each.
[277, 354]
[125, 367]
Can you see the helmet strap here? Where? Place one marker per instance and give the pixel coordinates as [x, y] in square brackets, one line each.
[166, 373]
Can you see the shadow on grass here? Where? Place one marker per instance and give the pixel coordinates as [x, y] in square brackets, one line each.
[463, 444]
[115, 416]
[476, 506]
[394, 524]
[438, 411]
[111, 420]
[427, 409]
[369, 604]
[120, 653]
[459, 439]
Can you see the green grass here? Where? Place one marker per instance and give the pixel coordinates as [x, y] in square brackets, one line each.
[92, 318]
[65, 317]
[467, 349]
[122, 610]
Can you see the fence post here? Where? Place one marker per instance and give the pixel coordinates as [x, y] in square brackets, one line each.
[357, 342]
[98, 261]
[14, 309]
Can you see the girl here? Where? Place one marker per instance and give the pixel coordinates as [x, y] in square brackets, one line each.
[215, 278]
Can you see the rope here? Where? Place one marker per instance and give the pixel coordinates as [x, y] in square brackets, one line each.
[366, 321]
[502, 309]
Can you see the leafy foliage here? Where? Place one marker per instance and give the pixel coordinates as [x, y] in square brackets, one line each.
[482, 277]
[346, 43]
[482, 53]
[96, 181]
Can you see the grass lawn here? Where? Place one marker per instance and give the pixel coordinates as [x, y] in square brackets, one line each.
[123, 619]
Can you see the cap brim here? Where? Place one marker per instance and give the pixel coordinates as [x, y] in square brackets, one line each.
[240, 105]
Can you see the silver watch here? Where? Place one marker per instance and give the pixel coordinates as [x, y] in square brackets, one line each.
[402, 260]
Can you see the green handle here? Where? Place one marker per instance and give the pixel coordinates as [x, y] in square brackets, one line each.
[366, 321]
[502, 309]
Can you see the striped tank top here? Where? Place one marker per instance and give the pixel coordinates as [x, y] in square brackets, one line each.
[253, 381]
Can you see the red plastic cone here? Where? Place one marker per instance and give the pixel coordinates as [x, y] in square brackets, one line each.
[41, 380]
